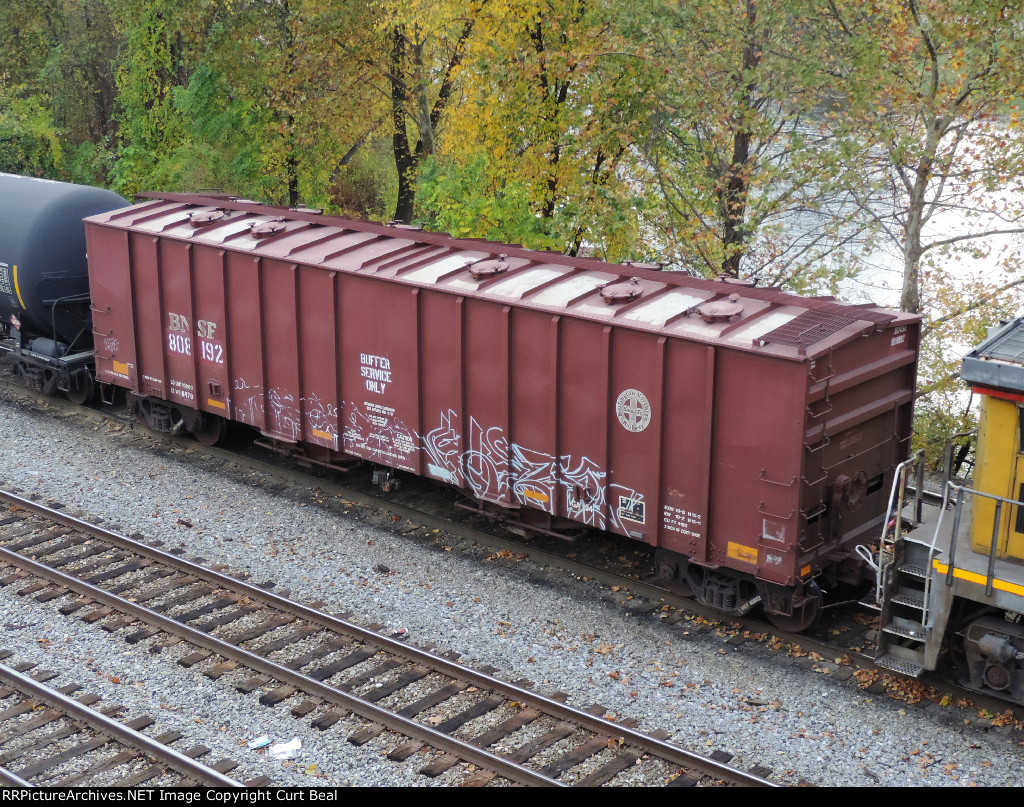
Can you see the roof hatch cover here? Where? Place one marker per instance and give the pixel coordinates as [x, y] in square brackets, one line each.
[721, 310]
[489, 267]
[261, 229]
[622, 291]
[203, 217]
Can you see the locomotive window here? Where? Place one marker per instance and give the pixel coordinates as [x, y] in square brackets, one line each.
[1019, 524]
[1020, 429]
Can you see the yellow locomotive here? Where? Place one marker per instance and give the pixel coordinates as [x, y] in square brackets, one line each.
[951, 577]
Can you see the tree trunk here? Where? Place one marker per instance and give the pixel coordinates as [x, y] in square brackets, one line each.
[733, 200]
[292, 165]
[910, 298]
[405, 161]
[734, 206]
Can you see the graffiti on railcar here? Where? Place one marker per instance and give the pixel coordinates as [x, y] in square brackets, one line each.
[442, 448]
[493, 468]
[321, 417]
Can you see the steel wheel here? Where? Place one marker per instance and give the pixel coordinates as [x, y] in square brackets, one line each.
[803, 616]
[81, 389]
[668, 571]
[212, 431]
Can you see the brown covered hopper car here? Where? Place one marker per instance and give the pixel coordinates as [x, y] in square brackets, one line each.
[747, 433]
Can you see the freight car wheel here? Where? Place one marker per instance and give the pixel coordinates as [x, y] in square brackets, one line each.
[213, 430]
[803, 616]
[670, 574]
[81, 389]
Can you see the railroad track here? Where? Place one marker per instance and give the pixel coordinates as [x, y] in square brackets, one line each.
[845, 633]
[59, 738]
[327, 667]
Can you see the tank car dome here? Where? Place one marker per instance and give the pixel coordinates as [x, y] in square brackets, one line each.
[44, 282]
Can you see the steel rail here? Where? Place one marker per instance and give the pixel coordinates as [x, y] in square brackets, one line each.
[493, 541]
[598, 725]
[486, 539]
[11, 779]
[108, 726]
[311, 686]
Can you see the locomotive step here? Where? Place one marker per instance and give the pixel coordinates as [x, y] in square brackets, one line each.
[914, 599]
[906, 628]
[901, 666]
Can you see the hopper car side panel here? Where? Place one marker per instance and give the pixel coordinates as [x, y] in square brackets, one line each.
[213, 385]
[378, 367]
[318, 370]
[685, 448]
[754, 399]
[112, 288]
[440, 338]
[171, 305]
[583, 450]
[146, 307]
[484, 414]
[635, 409]
[243, 338]
[536, 424]
[280, 383]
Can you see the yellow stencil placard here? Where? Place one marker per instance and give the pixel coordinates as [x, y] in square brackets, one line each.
[323, 435]
[218, 404]
[120, 368]
[742, 553]
[536, 496]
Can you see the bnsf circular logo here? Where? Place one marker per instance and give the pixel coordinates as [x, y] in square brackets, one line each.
[633, 410]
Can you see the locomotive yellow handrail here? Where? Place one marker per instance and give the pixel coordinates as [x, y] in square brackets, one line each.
[960, 490]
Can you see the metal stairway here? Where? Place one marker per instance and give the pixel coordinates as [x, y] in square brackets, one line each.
[903, 630]
[902, 565]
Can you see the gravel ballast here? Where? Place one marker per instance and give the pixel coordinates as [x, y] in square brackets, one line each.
[805, 722]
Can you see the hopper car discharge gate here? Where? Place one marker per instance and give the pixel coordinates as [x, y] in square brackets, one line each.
[748, 434]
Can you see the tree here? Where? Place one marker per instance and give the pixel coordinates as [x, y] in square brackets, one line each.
[58, 87]
[751, 175]
[157, 55]
[259, 97]
[934, 89]
[553, 104]
[425, 42]
[933, 94]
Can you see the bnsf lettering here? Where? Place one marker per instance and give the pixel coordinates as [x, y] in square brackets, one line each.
[206, 328]
[176, 322]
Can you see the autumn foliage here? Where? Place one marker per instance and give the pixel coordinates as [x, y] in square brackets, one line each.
[865, 148]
